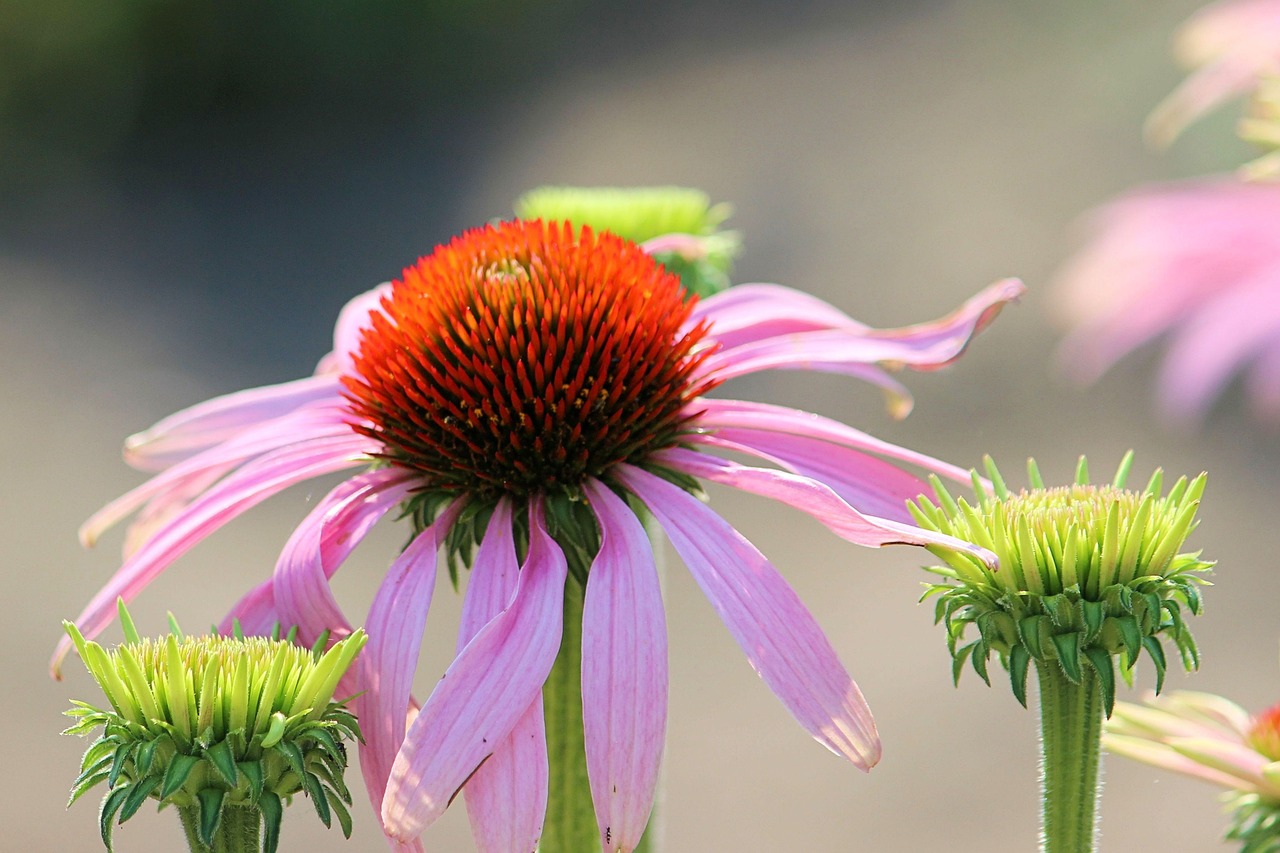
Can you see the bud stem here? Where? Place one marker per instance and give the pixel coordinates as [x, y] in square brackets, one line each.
[238, 830]
[1070, 741]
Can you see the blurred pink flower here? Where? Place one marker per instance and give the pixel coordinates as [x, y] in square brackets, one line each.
[1199, 260]
[523, 373]
[1229, 46]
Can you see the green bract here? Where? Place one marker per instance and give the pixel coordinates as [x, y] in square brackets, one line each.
[639, 214]
[219, 727]
[1087, 574]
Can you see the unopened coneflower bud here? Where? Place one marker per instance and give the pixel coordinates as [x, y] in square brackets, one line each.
[225, 729]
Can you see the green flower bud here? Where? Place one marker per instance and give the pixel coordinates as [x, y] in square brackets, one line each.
[219, 727]
[1087, 574]
[676, 225]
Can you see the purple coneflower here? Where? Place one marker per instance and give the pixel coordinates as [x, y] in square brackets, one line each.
[1198, 260]
[522, 393]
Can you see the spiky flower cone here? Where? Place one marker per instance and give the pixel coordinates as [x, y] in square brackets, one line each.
[226, 729]
[1088, 576]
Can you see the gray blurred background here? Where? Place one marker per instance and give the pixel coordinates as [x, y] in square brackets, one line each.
[189, 192]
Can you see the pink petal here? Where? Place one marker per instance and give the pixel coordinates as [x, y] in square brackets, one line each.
[181, 481]
[926, 346]
[507, 797]
[485, 691]
[396, 621]
[353, 319]
[721, 414]
[323, 541]
[1165, 757]
[865, 482]
[624, 673]
[751, 312]
[246, 488]
[783, 643]
[814, 498]
[255, 612]
[203, 425]
[1199, 94]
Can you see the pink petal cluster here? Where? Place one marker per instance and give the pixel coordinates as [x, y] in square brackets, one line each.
[1229, 46]
[1198, 735]
[1197, 261]
[482, 724]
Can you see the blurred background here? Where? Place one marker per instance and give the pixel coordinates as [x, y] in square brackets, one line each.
[190, 190]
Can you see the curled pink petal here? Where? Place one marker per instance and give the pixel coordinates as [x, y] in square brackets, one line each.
[780, 638]
[396, 621]
[624, 673]
[482, 695]
[206, 424]
[246, 488]
[352, 320]
[752, 312]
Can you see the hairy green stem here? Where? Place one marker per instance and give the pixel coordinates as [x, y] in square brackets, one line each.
[239, 830]
[1071, 748]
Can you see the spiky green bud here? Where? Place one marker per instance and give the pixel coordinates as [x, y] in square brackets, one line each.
[215, 726]
[1087, 574]
[681, 223]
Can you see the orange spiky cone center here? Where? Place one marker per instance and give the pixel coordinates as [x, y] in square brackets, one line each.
[525, 357]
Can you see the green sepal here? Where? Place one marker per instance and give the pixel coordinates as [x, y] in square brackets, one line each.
[180, 767]
[316, 792]
[332, 777]
[340, 809]
[979, 660]
[957, 662]
[146, 754]
[252, 771]
[293, 755]
[272, 812]
[1093, 614]
[84, 783]
[1068, 649]
[1029, 631]
[210, 813]
[326, 740]
[223, 759]
[1019, 659]
[1156, 652]
[111, 804]
[1105, 668]
[138, 793]
[117, 763]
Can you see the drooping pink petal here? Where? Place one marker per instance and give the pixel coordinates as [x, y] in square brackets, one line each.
[484, 692]
[816, 499]
[1200, 93]
[782, 641]
[396, 621]
[1166, 757]
[323, 541]
[179, 482]
[723, 414]
[245, 488]
[1262, 382]
[352, 319]
[507, 796]
[926, 346]
[1234, 759]
[255, 613]
[186, 433]
[624, 673]
[868, 483]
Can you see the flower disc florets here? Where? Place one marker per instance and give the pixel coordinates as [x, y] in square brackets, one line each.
[525, 357]
[214, 723]
[1086, 572]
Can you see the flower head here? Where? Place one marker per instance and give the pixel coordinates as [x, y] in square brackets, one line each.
[1195, 261]
[1213, 739]
[524, 392]
[1087, 573]
[213, 723]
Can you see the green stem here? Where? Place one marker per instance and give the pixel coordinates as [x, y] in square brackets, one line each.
[1070, 741]
[570, 826]
[238, 830]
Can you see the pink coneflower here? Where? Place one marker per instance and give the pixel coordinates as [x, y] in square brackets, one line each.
[1230, 47]
[1198, 260]
[1212, 739]
[521, 394]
